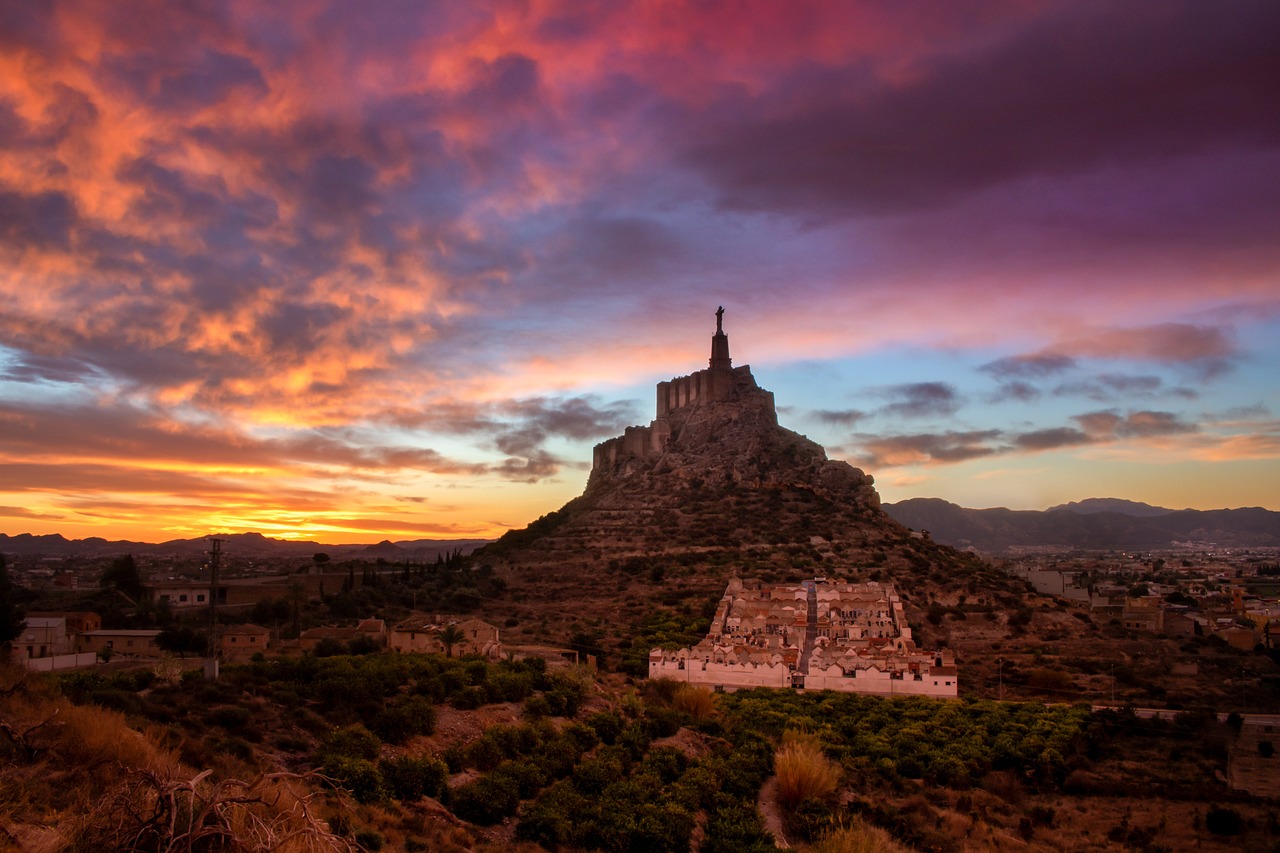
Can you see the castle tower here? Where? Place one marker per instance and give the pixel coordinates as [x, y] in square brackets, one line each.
[720, 344]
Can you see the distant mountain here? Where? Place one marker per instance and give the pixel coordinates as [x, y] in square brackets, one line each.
[997, 530]
[1092, 506]
[246, 545]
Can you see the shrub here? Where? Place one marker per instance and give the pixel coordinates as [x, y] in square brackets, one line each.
[595, 774]
[413, 778]
[329, 647]
[858, 836]
[667, 762]
[803, 771]
[736, 827]
[697, 702]
[527, 776]
[351, 742]
[404, 719]
[230, 717]
[537, 707]
[358, 776]
[487, 800]
[469, 698]
[509, 686]
[552, 818]
[608, 725]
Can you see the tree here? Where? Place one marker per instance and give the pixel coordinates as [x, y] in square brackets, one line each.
[320, 558]
[450, 637]
[11, 616]
[123, 575]
[182, 639]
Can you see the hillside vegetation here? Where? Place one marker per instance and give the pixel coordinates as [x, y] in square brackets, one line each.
[411, 753]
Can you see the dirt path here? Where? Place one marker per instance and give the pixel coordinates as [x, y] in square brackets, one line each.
[767, 802]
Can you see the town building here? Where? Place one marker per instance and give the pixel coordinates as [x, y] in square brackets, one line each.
[422, 633]
[818, 635]
[121, 641]
[43, 636]
[242, 642]
[374, 630]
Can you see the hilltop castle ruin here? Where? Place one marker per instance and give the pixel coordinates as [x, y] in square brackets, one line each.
[721, 382]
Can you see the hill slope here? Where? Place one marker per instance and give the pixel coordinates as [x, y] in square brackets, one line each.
[714, 487]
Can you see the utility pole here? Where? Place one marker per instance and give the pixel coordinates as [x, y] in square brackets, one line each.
[215, 560]
[1000, 676]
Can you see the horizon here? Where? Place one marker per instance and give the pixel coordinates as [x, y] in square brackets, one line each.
[363, 543]
[343, 275]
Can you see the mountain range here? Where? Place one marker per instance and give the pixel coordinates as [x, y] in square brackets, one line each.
[247, 545]
[1093, 524]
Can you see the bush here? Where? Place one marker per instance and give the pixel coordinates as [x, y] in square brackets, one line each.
[328, 648]
[553, 817]
[736, 827]
[527, 776]
[230, 717]
[358, 776]
[608, 725]
[857, 836]
[351, 742]
[537, 707]
[469, 698]
[803, 771]
[404, 719]
[697, 702]
[487, 800]
[413, 778]
[595, 774]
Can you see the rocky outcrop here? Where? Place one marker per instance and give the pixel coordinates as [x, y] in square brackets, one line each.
[713, 469]
[734, 440]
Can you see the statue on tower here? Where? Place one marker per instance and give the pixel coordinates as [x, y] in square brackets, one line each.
[720, 320]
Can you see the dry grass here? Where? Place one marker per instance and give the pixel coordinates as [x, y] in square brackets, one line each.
[79, 778]
[90, 737]
[858, 837]
[145, 811]
[803, 771]
[697, 702]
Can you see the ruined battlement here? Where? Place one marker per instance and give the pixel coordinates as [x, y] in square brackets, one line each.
[720, 382]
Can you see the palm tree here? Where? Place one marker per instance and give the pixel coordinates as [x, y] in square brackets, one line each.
[450, 637]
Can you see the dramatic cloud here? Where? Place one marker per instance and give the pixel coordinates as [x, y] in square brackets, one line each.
[841, 417]
[1142, 424]
[920, 400]
[1085, 84]
[1029, 366]
[1051, 439]
[925, 447]
[1023, 392]
[1207, 349]
[335, 256]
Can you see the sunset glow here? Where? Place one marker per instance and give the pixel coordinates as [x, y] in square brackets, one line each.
[352, 272]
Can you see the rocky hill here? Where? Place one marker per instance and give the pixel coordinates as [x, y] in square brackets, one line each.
[994, 531]
[713, 487]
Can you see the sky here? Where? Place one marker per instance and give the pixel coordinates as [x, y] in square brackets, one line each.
[358, 271]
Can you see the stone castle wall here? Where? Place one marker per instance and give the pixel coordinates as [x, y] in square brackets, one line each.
[713, 385]
[704, 386]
